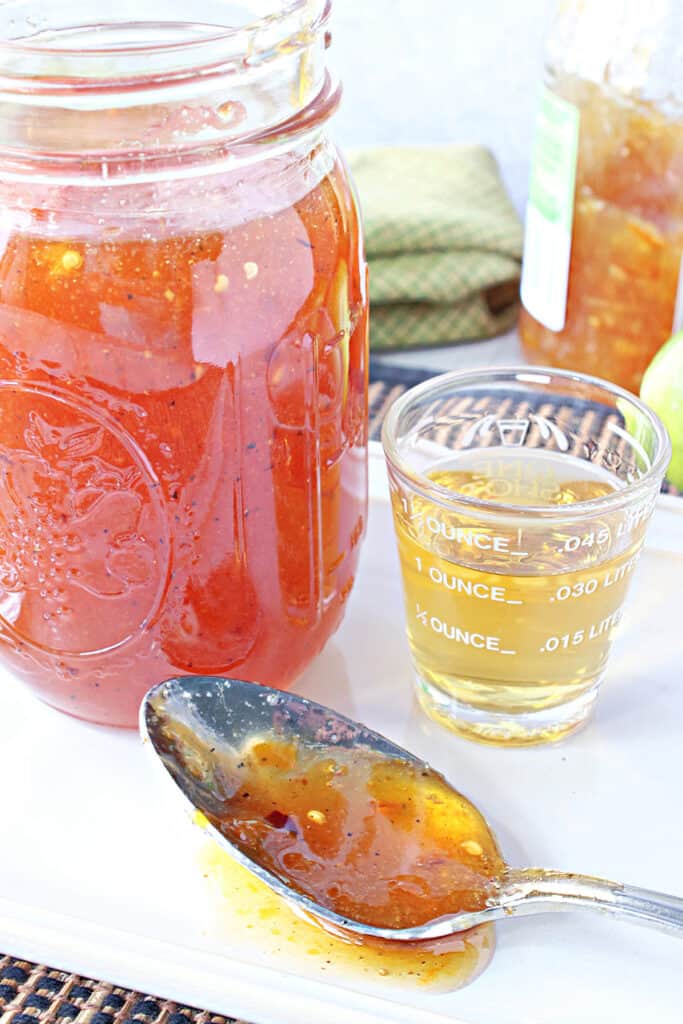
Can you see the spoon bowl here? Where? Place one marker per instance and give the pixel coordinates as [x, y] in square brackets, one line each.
[197, 725]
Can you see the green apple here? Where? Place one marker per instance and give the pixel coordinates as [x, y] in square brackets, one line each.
[662, 390]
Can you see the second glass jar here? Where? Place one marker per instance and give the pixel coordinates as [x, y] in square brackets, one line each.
[602, 277]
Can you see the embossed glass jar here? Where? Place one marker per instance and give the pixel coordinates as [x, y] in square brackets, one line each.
[183, 333]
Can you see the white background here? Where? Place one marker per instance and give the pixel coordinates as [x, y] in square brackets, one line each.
[442, 71]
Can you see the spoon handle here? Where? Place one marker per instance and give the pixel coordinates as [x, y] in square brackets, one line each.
[524, 890]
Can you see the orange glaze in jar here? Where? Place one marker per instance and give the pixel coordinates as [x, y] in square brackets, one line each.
[182, 410]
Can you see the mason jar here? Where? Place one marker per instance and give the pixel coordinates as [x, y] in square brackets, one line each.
[183, 336]
[602, 285]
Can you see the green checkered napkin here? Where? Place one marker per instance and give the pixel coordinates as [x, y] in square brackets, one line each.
[444, 244]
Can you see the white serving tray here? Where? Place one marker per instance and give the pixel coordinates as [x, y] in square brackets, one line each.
[99, 875]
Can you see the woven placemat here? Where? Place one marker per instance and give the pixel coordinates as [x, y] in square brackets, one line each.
[387, 383]
[33, 994]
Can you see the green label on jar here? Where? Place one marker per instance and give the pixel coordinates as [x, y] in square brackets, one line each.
[550, 211]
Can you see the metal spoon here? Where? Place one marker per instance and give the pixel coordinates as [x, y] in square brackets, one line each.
[215, 714]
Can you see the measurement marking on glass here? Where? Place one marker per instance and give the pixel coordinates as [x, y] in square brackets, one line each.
[457, 634]
[586, 540]
[519, 552]
[470, 537]
[412, 517]
[597, 629]
[457, 584]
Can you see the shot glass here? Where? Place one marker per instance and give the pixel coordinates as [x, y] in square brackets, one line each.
[521, 498]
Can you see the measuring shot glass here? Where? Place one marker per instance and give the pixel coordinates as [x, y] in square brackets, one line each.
[521, 498]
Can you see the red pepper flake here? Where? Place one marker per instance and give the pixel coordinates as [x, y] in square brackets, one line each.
[277, 819]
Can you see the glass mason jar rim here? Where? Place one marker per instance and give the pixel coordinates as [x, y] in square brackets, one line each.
[448, 498]
[258, 37]
[132, 93]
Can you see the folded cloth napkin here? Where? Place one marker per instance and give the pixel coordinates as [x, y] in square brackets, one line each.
[444, 244]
